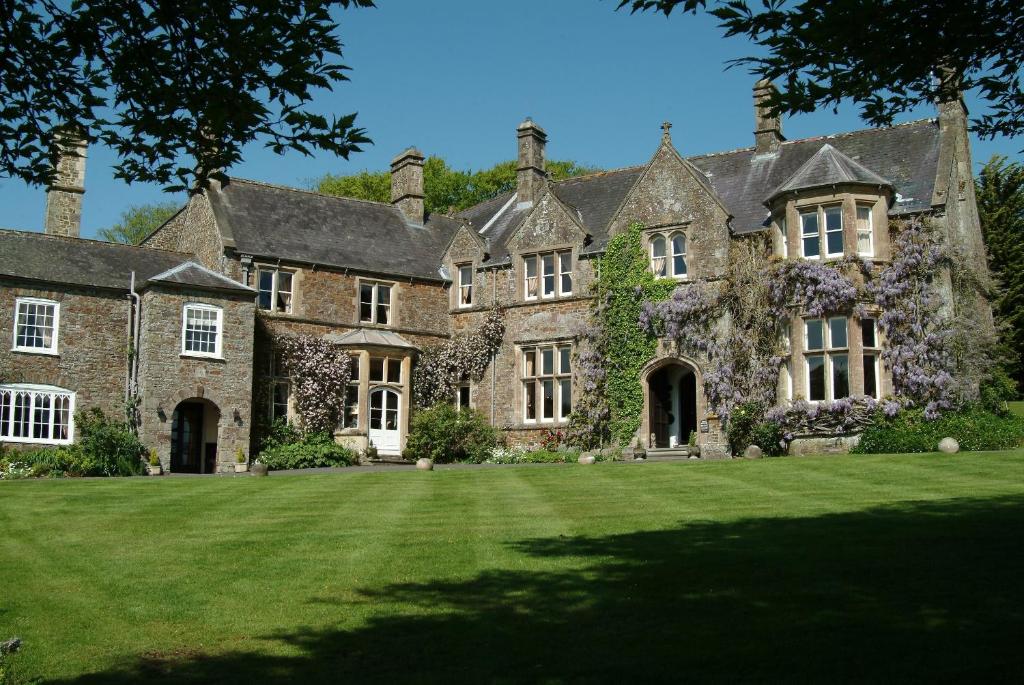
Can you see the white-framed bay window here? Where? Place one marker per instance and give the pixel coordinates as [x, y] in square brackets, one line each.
[547, 275]
[202, 330]
[827, 358]
[547, 382]
[36, 414]
[275, 289]
[821, 226]
[36, 325]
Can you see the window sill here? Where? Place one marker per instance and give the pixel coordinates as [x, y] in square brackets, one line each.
[36, 441]
[205, 357]
[33, 350]
[537, 425]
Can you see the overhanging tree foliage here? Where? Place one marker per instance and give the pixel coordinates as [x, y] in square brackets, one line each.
[175, 89]
[881, 54]
[445, 188]
[138, 222]
[1000, 193]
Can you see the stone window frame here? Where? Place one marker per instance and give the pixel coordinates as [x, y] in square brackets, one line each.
[350, 417]
[668, 237]
[275, 291]
[277, 376]
[468, 396]
[52, 349]
[375, 302]
[558, 274]
[218, 340]
[874, 352]
[822, 211]
[830, 352]
[461, 302]
[780, 237]
[558, 377]
[9, 393]
[858, 231]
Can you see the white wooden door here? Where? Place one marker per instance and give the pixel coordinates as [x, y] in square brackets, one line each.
[384, 421]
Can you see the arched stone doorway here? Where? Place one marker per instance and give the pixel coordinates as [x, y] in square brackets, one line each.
[672, 403]
[194, 429]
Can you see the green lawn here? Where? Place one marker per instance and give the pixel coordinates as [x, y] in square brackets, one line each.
[833, 568]
[1017, 408]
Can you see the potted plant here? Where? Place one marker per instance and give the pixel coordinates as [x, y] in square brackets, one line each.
[639, 452]
[240, 463]
[371, 451]
[258, 469]
[153, 466]
[692, 448]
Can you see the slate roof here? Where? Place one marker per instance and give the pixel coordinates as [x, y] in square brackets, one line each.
[904, 157]
[828, 167]
[95, 263]
[312, 228]
[362, 337]
[191, 274]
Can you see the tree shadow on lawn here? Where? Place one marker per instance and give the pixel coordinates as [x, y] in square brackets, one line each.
[920, 591]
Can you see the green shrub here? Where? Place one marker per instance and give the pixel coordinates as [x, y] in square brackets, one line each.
[768, 435]
[520, 455]
[104, 448]
[307, 452]
[747, 427]
[446, 435]
[973, 427]
[997, 389]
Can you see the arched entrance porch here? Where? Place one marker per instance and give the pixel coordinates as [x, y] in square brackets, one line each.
[672, 403]
[194, 428]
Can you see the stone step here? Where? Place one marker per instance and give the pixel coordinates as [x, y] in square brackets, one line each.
[667, 453]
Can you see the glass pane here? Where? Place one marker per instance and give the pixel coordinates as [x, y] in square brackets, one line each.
[837, 332]
[835, 243]
[679, 245]
[679, 265]
[355, 368]
[549, 274]
[834, 219]
[383, 304]
[547, 361]
[61, 418]
[376, 410]
[377, 369]
[564, 357]
[41, 417]
[394, 371]
[22, 408]
[549, 399]
[812, 247]
[463, 397]
[815, 335]
[284, 292]
[658, 247]
[266, 288]
[391, 400]
[566, 398]
[840, 376]
[529, 363]
[870, 379]
[864, 245]
[867, 332]
[366, 302]
[531, 266]
[352, 406]
[5, 413]
[809, 223]
[816, 378]
[530, 397]
[565, 267]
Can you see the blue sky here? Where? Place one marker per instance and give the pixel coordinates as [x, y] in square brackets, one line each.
[455, 77]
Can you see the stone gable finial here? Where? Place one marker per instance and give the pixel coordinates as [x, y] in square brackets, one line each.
[666, 137]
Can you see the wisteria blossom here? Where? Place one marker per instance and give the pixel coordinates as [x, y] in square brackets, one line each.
[319, 373]
[441, 368]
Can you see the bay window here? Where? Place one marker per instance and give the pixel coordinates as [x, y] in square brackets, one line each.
[827, 359]
[547, 383]
[36, 414]
[811, 235]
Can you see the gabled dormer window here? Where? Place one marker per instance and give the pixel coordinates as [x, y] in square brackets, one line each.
[375, 303]
[465, 294]
[547, 275]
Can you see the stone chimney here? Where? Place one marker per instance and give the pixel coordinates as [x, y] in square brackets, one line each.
[767, 128]
[407, 184]
[531, 178]
[64, 196]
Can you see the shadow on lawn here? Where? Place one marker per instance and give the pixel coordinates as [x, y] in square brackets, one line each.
[923, 591]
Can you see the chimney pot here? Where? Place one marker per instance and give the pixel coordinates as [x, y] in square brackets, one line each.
[64, 194]
[531, 177]
[407, 184]
[767, 127]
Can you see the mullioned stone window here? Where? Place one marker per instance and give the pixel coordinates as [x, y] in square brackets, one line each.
[547, 275]
[547, 383]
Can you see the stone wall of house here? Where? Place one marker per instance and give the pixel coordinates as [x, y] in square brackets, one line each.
[167, 377]
[92, 344]
[193, 231]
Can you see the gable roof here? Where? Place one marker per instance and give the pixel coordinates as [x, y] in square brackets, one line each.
[904, 157]
[191, 274]
[77, 261]
[828, 167]
[302, 226]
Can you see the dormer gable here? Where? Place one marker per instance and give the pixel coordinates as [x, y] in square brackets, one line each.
[550, 224]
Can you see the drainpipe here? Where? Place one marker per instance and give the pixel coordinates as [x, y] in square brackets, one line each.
[133, 367]
[494, 357]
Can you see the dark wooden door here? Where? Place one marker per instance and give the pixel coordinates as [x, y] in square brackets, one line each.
[187, 438]
[661, 409]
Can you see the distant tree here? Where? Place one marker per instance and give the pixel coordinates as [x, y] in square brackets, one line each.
[881, 54]
[1000, 192]
[445, 188]
[138, 222]
[176, 89]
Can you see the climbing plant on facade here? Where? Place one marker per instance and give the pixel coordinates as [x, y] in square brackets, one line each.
[319, 373]
[441, 368]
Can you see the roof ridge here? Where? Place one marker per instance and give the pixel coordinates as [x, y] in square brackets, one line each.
[95, 241]
[606, 172]
[306, 191]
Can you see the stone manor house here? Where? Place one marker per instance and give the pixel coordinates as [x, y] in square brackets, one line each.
[186, 322]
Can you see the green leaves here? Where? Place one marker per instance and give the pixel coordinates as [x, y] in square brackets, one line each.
[138, 222]
[176, 90]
